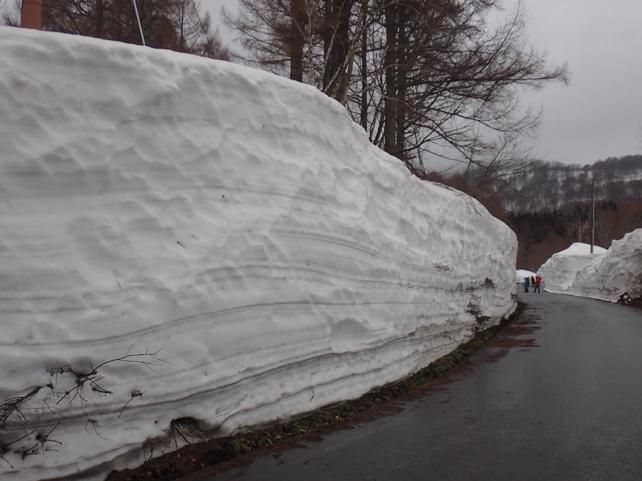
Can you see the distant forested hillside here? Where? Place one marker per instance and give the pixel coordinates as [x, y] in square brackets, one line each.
[547, 204]
[550, 185]
[541, 234]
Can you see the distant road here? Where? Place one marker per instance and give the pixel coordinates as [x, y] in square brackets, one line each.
[558, 397]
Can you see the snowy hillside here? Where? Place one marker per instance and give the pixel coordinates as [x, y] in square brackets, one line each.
[605, 275]
[544, 186]
[228, 239]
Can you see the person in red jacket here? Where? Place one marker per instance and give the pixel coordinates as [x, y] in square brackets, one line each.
[538, 283]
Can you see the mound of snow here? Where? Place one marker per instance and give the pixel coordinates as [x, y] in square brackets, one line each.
[561, 268]
[520, 274]
[617, 271]
[228, 238]
[581, 249]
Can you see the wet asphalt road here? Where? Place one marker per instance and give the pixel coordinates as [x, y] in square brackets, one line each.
[558, 399]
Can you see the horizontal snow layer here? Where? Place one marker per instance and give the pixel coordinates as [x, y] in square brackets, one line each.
[605, 276]
[235, 221]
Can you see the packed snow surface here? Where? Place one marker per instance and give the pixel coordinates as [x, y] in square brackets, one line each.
[230, 236]
[605, 276]
[581, 249]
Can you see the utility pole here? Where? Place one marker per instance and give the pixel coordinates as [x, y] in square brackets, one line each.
[592, 215]
[31, 14]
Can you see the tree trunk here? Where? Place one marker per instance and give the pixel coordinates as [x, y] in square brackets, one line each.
[100, 18]
[364, 67]
[181, 38]
[402, 72]
[336, 45]
[297, 38]
[391, 87]
[148, 19]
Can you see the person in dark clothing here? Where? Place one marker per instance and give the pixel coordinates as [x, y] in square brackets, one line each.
[538, 282]
[526, 282]
[533, 281]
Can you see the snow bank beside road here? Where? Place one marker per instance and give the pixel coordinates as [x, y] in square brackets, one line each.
[236, 220]
[560, 270]
[616, 272]
[605, 275]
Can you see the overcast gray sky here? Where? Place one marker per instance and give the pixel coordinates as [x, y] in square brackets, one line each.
[599, 114]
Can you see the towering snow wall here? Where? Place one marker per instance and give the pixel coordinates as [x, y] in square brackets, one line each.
[560, 270]
[604, 276]
[235, 224]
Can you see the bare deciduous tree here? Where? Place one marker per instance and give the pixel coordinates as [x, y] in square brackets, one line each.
[422, 77]
[579, 224]
[312, 41]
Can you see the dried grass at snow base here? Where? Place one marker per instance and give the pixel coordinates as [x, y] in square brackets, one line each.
[18, 435]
